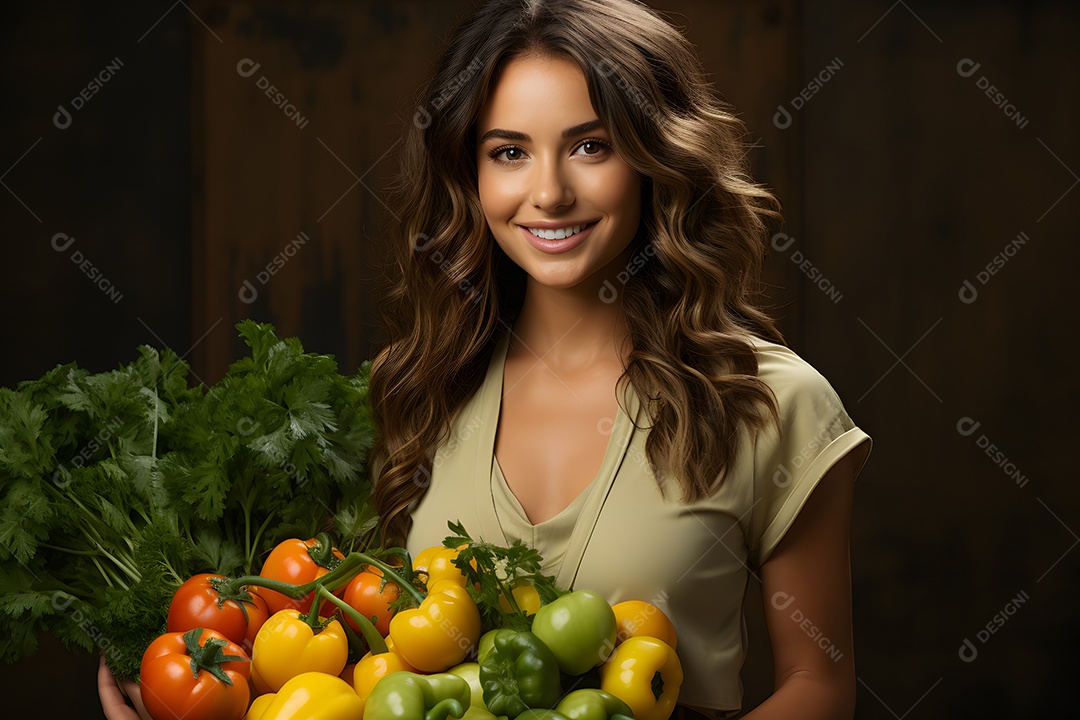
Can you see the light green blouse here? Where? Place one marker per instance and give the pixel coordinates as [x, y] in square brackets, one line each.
[626, 539]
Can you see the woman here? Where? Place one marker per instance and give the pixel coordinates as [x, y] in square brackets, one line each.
[575, 357]
[612, 395]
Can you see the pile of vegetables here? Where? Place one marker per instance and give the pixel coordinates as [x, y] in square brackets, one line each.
[464, 630]
[186, 533]
[116, 487]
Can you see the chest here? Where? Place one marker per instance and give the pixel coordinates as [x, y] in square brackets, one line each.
[553, 433]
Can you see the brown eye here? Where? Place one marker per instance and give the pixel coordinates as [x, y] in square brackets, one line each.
[593, 147]
[502, 155]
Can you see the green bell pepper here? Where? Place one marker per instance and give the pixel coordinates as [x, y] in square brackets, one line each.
[477, 709]
[579, 628]
[484, 646]
[541, 714]
[594, 705]
[518, 673]
[408, 696]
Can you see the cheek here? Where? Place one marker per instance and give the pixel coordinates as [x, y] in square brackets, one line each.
[496, 196]
[620, 191]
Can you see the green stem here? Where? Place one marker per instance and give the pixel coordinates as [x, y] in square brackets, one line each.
[335, 584]
[97, 563]
[344, 572]
[110, 577]
[172, 571]
[347, 569]
[323, 555]
[374, 640]
[287, 589]
[68, 550]
[255, 543]
[88, 528]
[128, 568]
[507, 593]
[391, 574]
[247, 530]
[406, 570]
[69, 589]
[312, 618]
[144, 516]
[126, 564]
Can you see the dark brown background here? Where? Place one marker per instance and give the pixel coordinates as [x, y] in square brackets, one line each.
[901, 179]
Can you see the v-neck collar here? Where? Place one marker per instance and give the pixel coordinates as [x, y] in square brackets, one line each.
[598, 489]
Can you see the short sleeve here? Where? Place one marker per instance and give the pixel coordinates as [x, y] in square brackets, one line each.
[815, 433]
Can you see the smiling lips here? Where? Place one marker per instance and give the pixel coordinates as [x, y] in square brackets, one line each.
[557, 240]
[556, 233]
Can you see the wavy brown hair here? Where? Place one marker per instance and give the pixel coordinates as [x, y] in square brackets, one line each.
[689, 309]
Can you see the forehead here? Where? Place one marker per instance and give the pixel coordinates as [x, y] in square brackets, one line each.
[537, 93]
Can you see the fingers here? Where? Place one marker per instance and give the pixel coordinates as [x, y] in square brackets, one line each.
[112, 700]
[134, 693]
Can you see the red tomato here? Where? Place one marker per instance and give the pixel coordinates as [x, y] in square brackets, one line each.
[291, 562]
[171, 691]
[198, 604]
[363, 593]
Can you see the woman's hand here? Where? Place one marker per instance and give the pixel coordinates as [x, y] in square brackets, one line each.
[112, 694]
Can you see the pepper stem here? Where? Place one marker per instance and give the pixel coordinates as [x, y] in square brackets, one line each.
[391, 574]
[232, 587]
[372, 637]
[313, 618]
[323, 552]
[345, 571]
[448, 707]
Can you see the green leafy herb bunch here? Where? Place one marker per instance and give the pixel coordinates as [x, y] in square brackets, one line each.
[116, 487]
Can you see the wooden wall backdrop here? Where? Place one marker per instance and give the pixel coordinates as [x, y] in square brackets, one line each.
[901, 179]
[915, 182]
[289, 216]
[289, 213]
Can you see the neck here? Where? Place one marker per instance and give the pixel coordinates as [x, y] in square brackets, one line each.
[574, 327]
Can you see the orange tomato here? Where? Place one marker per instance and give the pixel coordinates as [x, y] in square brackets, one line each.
[291, 562]
[372, 599]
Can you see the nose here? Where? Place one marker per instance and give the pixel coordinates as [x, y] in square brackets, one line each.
[551, 189]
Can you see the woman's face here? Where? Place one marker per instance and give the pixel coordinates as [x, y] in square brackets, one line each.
[545, 163]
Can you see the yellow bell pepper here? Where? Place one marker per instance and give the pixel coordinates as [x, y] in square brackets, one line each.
[287, 646]
[637, 618]
[423, 558]
[441, 632]
[526, 597]
[440, 566]
[373, 668]
[311, 696]
[629, 675]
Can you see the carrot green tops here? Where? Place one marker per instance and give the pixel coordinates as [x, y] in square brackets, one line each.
[624, 539]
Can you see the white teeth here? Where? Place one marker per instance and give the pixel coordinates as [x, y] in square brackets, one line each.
[556, 234]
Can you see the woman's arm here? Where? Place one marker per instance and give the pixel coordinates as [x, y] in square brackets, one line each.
[806, 588]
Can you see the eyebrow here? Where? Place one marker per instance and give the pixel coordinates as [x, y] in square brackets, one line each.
[522, 137]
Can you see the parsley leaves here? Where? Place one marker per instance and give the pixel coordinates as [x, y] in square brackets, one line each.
[116, 487]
